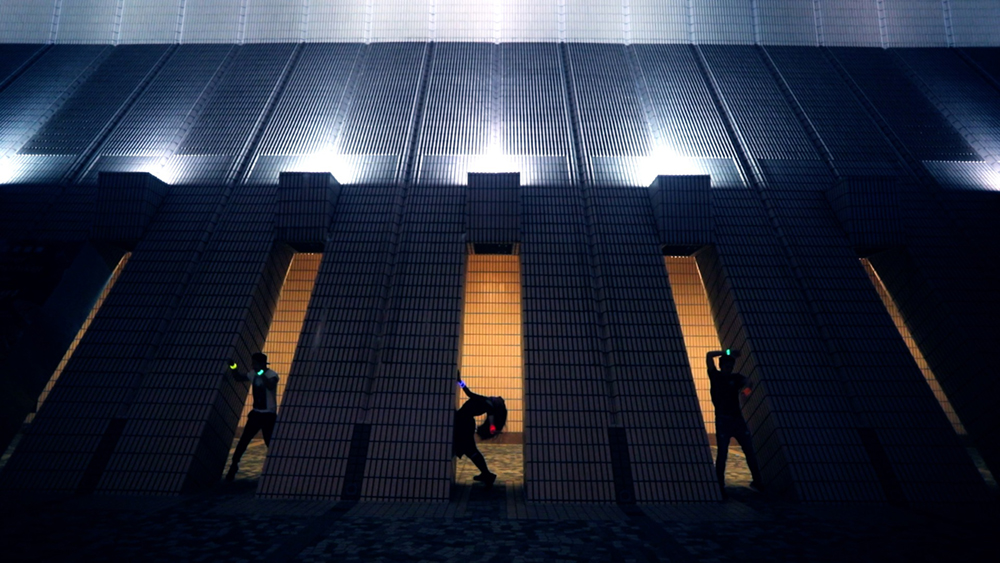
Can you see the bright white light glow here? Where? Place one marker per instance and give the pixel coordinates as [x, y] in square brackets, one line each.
[994, 182]
[166, 171]
[8, 169]
[328, 160]
[665, 162]
[492, 162]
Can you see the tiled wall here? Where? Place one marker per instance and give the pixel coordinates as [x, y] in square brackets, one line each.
[959, 92]
[697, 326]
[213, 21]
[98, 382]
[780, 22]
[940, 252]
[850, 22]
[36, 94]
[412, 389]
[564, 377]
[788, 177]
[88, 21]
[286, 326]
[967, 19]
[83, 330]
[612, 138]
[915, 23]
[722, 22]
[652, 395]
[27, 22]
[659, 21]
[328, 383]
[338, 21]
[918, 356]
[79, 123]
[885, 23]
[143, 21]
[275, 21]
[611, 406]
[491, 333]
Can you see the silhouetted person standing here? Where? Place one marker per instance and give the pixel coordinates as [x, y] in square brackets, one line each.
[465, 429]
[729, 423]
[263, 385]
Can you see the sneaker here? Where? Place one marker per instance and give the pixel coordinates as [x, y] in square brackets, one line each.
[757, 487]
[479, 477]
[488, 478]
[232, 472]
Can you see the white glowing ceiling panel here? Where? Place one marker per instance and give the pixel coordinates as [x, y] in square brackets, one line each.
[660, 21]
[275, 21]
[87, 21]
[144, 21]
[595, 21]
[408, 20]
[211, 21]
[461, 20]
[974, 22]
[786, 22]
[333, 21]
[25, 21]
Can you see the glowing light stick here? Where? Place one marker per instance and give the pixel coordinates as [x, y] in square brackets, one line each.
[260, 372]
[232, 365]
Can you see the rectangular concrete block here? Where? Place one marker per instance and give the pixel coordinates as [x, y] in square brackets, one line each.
[493, 207]
[126, 201]
[868, 210]
[683, 211]
[306, 201]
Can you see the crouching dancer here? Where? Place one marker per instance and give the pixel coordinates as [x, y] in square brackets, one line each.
[465, 429]
[264, 385]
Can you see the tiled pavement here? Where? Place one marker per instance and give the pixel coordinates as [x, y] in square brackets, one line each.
[228, 524]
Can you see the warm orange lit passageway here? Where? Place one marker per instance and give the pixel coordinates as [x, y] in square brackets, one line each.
[491, 333]
[897, 318]
[83, 329]
[697, 327]
[289, 314]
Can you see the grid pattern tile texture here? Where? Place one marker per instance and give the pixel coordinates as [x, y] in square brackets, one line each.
[491, 333]
[83, 330]
[918, 356]
[286, 326]
[697, 326]
[896, 23]
[143, 404]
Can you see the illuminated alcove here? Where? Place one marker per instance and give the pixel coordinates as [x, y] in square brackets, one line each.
[491, 362]
[282, 340]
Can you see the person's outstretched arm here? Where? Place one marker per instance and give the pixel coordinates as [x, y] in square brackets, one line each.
[468, 393]
[234, 370]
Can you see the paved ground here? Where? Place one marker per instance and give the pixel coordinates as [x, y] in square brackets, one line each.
[228, 524]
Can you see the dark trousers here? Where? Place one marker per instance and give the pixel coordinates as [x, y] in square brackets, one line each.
[256, 422]
[727, 427]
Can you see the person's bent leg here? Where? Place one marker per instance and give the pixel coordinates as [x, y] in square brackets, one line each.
[722, 452]
[725, 428]
[479, 461]
[267, 426]
[746, 442]
[250, 430]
